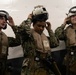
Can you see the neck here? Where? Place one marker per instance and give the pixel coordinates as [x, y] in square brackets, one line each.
[74, 26]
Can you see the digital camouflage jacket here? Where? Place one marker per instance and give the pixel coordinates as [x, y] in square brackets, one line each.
[29, 47]
[68, 35]
[27, 39]
[6, 42]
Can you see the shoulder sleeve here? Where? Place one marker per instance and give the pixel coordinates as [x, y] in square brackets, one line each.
[53, 40]
[13, 41]
[60, 33]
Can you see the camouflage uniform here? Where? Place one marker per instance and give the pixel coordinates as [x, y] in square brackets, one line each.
[70, 58]
[32, 63]
[5, 42]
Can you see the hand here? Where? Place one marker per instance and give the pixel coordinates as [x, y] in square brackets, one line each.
[30, 16]
[10, 21]
[66, 21]
[48, 26]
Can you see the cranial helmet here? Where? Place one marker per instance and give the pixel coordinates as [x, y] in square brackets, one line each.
[72, 11]
[4, 13]
[40, 13]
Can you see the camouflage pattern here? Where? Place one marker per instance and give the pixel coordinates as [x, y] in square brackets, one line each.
[31, 65]
[6, 42]
[70, 58]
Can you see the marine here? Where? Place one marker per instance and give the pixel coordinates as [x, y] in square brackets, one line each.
[36, 45]
[67, 32]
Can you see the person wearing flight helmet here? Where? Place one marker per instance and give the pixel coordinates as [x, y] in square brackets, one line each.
[36, 45]
[67, 32]
[5, 41]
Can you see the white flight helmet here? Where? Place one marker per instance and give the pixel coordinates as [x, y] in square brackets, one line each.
[40, 13]
[39, 10]
[4, 13]
[72, 11]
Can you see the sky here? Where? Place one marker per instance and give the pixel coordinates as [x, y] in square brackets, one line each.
[20, 9]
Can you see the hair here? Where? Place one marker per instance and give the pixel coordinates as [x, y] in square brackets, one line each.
[40, 17]
[35, 21]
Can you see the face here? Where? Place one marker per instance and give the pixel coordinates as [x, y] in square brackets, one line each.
[39, 26]
[73, 19]
[2, 22]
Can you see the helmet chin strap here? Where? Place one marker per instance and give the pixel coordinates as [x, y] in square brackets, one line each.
[3, 26]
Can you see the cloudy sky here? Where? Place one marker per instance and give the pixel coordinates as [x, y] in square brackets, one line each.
[19, 10]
